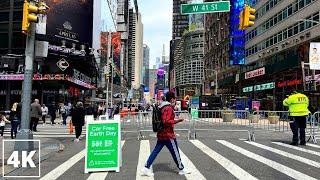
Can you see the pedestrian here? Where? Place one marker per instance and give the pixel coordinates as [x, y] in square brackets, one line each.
[15, 118]
[100, 109]
[166, 136]
[298, 111]
[52, 112]
[44, 110]
[35, 114]
[78, 114]
[63, 113]
[3, 121]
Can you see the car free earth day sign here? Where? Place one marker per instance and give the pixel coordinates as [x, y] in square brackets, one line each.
[103, 146]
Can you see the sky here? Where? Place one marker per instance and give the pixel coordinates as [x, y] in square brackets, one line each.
[157, 24]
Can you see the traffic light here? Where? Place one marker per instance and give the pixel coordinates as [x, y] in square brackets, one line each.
[248, 16]
[30, 13]
[241, 21]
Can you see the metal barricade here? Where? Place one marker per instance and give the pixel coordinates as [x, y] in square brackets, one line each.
[314, 129]
[144, 123]
[271, 120]
[223, 120]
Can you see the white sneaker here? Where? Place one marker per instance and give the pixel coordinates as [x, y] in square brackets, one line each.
[184, 171]
[76, 140]
[146, 172]
[79, 138]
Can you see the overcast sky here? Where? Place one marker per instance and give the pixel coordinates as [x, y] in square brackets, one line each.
[157, 23]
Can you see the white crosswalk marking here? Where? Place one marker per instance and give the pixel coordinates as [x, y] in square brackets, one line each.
[297, 148]
[143, 157]
[57, 172]
[101, 175]
[195, 173]
[234, 169]
[286, 154]
[313, 145]
[277, 166]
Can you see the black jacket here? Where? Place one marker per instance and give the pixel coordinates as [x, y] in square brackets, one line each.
[78, 114]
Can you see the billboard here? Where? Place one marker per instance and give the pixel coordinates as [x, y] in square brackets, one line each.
[70, 20]
[314, 56]
[116, 49]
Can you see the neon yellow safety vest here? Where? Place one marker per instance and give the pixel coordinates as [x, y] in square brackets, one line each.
[298, 104]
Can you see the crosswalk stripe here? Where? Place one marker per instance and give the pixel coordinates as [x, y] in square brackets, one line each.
[101, 175]
[195, 174]
[313, 145]
[297, 148]
[277, 166]
[58, 171]
[143, 157]
[234, 169]
[286, 154]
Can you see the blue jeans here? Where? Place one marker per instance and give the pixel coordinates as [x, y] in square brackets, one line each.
[172, 145]
[14, 127]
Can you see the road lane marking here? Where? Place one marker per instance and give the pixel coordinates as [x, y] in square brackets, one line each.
[58, 171]
[144, 153]
[101, 175]
[195, 173]
[286, 154]
[313, 145]
[277, 166]
[297, 148]
[234, 169]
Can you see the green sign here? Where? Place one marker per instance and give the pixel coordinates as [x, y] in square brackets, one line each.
[103, 146]
[194, 113]
[259, 87]
[209, 7]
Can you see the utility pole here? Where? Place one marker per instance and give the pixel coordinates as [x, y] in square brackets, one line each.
[29, 20]
[107, 73]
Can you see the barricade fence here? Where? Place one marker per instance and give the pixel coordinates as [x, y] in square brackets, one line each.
[221, 120]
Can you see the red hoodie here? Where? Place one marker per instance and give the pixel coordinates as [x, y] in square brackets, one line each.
[167, 116]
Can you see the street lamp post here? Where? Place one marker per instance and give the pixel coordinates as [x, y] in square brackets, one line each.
[215, 80]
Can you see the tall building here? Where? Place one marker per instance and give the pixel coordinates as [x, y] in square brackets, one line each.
[135, 48]
[179, 22]
[216, 58]
[188, 63]
[275, 47]
[146, 63]
[152, 81]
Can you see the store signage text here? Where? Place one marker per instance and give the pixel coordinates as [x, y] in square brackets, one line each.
[16, 92]
[259, 87]
[80, 76]
[255, 73]
[289, 83]
[316, 78]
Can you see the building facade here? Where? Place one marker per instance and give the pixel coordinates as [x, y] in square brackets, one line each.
[179, 22]
[51, 81]
[145, 65]
[188, 63]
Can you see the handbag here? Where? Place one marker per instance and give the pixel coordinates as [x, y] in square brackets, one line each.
[70, 127]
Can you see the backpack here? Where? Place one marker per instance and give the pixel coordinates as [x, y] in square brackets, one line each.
[157, 124]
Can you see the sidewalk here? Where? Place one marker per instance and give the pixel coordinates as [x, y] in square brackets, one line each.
[47, 147]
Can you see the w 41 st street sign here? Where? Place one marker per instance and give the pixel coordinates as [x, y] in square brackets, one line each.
[209, 7]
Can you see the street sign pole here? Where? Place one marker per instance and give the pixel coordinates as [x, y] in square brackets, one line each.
[208, 7]
[24, 132]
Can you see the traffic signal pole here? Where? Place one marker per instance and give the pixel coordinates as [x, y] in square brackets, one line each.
[25, 132]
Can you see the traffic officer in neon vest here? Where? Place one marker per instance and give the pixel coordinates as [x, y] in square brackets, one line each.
[298, 108]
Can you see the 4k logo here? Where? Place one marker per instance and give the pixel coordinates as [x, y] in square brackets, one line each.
[16, 158]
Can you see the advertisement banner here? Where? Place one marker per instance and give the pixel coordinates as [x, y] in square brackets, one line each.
[314, 56]
[103, 146]
[116, 49]
[70, 20]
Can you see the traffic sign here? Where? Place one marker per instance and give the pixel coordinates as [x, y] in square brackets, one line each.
[63, 64]
[209, 7]
[103, 148]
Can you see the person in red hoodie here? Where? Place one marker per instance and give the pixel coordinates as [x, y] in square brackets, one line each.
[166, 137]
